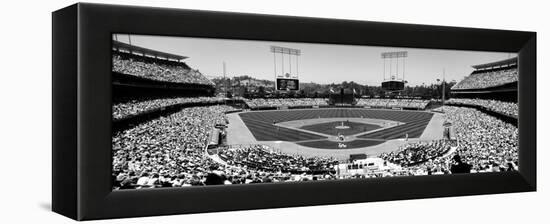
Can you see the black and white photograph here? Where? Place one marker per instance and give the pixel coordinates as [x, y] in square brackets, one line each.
[271, 112]
[191, 112]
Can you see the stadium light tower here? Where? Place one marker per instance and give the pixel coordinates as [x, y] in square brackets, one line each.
[443, 89]
[286, 80]
[224, 81]
[289, 52]
[394, 82]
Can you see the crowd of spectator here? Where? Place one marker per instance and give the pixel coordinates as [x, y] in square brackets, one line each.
[157, 70]
[261, 157]
[393, 103]
[485, 143]
[290, 102]
[166, 151]
[134, 107]
[415, 153]
[170, 152]
[508, 108]
[374, 102]
[486, 79]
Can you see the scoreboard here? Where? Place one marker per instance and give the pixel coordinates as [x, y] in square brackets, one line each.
[288, 84]
[393, 85]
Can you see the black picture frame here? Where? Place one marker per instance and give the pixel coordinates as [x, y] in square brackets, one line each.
[81, 148]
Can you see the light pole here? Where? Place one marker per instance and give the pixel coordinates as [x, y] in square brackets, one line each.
[443, 89]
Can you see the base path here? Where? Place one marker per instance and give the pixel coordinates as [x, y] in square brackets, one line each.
[237, 132]
[434, 129]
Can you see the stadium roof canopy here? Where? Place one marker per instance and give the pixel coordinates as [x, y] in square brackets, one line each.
[505, 62]
[117, 45]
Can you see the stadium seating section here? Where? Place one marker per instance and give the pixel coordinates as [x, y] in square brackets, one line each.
[160, 70]
[290, 102]
[508, 108]
[171, 149]
[490, 78]
[394, 103]
[135, 107]
[260, 157]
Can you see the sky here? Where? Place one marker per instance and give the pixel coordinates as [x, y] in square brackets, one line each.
[318, 63]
